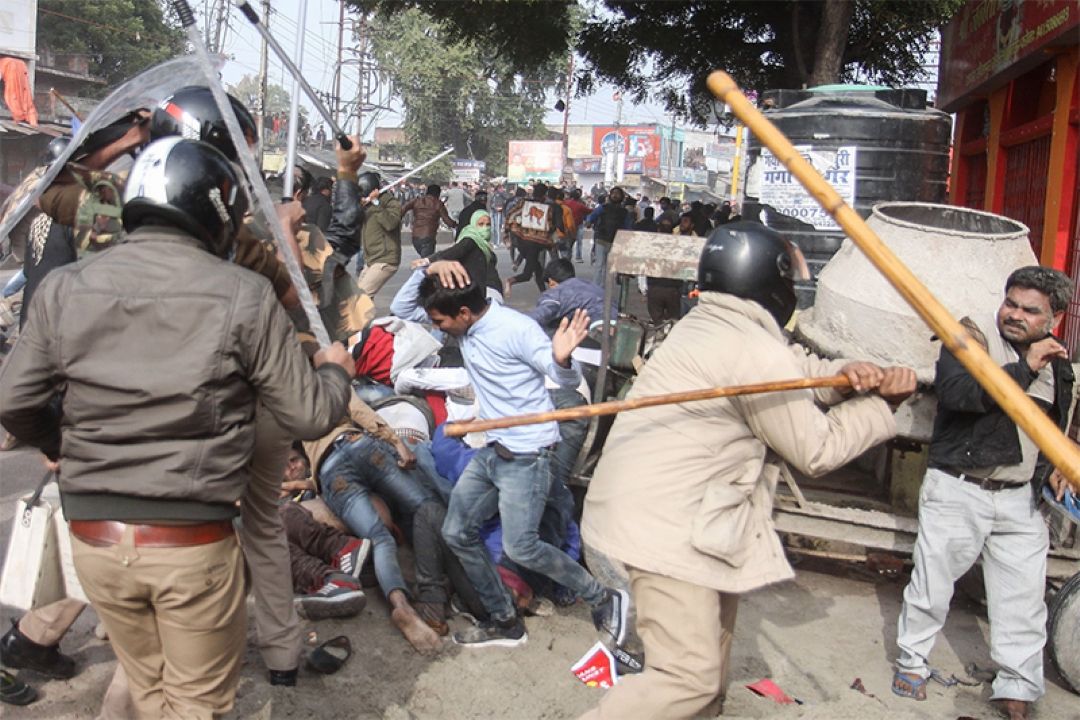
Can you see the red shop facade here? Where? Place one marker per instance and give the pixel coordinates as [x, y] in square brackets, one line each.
[1009, 73]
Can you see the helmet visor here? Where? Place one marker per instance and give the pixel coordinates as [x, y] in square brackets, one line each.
[792, 264]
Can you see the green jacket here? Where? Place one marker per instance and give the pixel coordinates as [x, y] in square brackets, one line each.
[381, 236]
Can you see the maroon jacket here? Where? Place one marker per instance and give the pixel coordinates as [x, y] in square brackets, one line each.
[427, 211]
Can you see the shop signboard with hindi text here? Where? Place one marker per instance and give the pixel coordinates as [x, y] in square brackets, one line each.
[464, 170]
[780, 189]
[989, 37]
[534, 160]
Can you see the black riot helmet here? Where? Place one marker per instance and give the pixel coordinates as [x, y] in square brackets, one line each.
[54, 149]
[368, 181]
[188, 185]
[191, 113]
[751, 261]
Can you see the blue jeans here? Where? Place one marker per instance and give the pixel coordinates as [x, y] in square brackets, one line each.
[496, 227]
[600, 272]
[350, 474]
[518, 490]
[580, 241]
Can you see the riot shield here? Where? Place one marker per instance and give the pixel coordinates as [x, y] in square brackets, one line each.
[145, 90]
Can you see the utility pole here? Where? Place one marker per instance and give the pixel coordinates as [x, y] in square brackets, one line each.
[566, 120]
[620, 149]
[337, 69]
[217, 43]
[361, 84]
[260, 120]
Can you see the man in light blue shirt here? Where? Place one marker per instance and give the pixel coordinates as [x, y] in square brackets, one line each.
[507, 357]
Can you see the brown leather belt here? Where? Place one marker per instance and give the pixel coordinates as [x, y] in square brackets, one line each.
[110, 532]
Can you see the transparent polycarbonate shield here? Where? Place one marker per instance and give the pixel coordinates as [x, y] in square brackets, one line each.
[145, 90]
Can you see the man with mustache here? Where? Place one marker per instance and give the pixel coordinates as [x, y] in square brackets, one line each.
[979, 495]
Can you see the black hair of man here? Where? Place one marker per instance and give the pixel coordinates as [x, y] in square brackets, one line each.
[453, 183]
[449, 301]
[540, 192]
[575, 193]
[434, 190]
[324, 183]
[301, 179]
[617, 196]
[561, 195]
[665, 202]
[560, 270]
[553, 193]
[520, 192]
[649, 213]
[1054, 284]
[664, 225]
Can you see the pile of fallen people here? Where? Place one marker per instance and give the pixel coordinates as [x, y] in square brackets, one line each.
[201, 436]
[198, 433]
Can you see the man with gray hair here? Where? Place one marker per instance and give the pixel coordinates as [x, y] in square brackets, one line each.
[979, 495]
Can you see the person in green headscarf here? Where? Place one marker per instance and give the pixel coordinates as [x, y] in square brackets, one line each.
[473, 250]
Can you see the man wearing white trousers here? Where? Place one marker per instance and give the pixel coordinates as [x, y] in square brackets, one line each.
[979, 497]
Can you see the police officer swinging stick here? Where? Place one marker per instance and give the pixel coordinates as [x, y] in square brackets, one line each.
[1020, 408]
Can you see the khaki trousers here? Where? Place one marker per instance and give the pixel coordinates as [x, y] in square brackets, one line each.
[687, 632]
[374, 276]
[176, 620]
[45, 625]
[266, 549]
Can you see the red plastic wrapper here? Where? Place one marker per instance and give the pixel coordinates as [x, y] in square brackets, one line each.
[597, 668]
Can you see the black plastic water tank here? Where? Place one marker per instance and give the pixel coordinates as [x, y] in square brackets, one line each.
[901, 152]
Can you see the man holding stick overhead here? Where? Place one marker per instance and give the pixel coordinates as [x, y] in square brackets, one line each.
[977, 498]
[683, 493]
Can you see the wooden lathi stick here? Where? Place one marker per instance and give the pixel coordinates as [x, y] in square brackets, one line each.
[617, 406]
[1061, 451]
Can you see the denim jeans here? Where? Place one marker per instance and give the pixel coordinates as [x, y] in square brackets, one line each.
[518, 490]
[424, 246]
[351, 473]
[496, 227]
[600, 271]
[580, 241]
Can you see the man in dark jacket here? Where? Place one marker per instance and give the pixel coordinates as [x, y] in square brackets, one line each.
[168, 350]
[606, 220]
[979, 498]
[317, 205]
[478, 203]
[427, 210]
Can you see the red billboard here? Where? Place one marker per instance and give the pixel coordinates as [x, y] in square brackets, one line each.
[987, 37]
[640, 143]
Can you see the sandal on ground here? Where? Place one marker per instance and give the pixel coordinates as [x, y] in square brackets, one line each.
[909, 686]
[324, 662]
[14, 691]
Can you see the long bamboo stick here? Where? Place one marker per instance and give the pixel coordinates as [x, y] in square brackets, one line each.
[616, 406]
[1059, 449]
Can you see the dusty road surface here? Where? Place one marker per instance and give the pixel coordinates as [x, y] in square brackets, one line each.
[813, 636]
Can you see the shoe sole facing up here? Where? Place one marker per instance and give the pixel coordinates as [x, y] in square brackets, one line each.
[624, 610]
[498, 642]
[322, 608]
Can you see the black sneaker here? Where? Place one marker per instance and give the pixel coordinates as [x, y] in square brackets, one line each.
[494, 634]
[610, 615]
[459, 609]
[340, 596]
